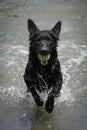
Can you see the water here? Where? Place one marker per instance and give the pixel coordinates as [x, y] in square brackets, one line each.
[18, 112]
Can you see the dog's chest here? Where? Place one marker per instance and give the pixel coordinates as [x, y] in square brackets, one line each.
[44, 79]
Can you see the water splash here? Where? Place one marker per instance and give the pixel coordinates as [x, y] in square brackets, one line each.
[15, 57]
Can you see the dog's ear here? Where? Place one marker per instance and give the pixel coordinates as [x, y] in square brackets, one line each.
[31, 26]
[56, 29]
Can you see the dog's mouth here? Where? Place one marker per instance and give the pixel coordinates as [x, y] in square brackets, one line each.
[44, 58]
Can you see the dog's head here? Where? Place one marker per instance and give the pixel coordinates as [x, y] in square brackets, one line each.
[43, 43]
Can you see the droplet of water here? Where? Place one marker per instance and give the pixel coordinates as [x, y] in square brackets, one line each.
[24, 117]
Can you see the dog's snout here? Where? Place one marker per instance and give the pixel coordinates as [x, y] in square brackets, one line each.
[44, 49]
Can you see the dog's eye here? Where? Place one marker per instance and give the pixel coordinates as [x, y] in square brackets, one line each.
[48, 39]
[38, 39]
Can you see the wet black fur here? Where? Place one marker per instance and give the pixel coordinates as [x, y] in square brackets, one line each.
[37, 75]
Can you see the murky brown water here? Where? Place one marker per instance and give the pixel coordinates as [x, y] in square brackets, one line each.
[18, 112]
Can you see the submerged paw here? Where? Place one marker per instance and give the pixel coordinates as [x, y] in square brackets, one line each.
[49, 105]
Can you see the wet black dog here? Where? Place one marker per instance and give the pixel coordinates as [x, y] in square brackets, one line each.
[43, 69]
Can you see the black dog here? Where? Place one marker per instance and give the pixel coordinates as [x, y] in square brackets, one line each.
[43, 69]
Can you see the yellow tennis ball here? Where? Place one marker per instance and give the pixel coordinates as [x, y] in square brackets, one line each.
[43, 58]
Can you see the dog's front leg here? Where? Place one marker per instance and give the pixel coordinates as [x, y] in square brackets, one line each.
[37, 98]
[30, 79]
[51, 96]
[56, 87]
[31, 87]
[50, 103]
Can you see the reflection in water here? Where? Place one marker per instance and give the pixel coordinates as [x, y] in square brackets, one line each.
[18, 112]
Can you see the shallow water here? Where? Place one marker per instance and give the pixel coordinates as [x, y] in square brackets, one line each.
[18, 112]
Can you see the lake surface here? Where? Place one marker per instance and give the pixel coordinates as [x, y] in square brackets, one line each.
[18, 112]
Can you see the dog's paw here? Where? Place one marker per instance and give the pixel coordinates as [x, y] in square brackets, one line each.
[49, 104]
[39, 102]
